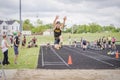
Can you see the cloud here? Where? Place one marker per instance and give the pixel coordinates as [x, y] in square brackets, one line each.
[103, 12]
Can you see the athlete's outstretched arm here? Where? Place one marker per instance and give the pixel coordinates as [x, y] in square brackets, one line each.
[54, 22]
[63, 24]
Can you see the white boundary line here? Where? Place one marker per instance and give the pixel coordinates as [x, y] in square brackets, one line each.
[49, 63]
[59, 57]
[102, 55]
[91, 57]
[42, 57]
[53, 62]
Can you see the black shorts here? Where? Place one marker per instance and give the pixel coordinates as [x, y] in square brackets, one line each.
[84, 43]
[113, 42]
[57, 41]
[109, 42]
[104, 42]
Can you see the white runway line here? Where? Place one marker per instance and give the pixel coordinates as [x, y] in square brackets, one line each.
[59, 57]
[103, 56]
[90, 57]
[54, 63]
[42, 57]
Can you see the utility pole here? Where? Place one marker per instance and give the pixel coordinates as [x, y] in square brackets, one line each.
[20, 28]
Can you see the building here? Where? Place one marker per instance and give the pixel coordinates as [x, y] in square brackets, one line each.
[3, 27]
[28, 33]
[8, 27]
[48, 32]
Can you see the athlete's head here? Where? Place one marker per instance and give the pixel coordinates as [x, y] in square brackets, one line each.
[58, 24]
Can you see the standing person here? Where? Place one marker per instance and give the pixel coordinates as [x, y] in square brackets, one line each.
[69, 40]
[81, 41]
[84, 44]
[16, 45]
[75, 42]
[113, 43]
[109, 41]
[57, 27]
[4, 47]
[104, 42]
[11, 41]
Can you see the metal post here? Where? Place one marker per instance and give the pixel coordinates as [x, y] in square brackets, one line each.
[20, 28]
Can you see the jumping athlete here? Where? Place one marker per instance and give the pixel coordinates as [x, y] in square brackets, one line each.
[57, 32]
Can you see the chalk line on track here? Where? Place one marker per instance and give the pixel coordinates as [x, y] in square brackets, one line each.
[59, 57]
[89, 56]
[42, 57]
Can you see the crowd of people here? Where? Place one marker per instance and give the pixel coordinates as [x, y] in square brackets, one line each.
[102, 43]
[106, 42]
[4, 47]
[14, 42]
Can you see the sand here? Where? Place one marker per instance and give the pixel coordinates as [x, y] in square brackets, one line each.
[42, 74]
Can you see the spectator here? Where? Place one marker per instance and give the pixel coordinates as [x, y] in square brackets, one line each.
[113, 43]
[4, 47]
[24, 41]
[109, 41]
[16, 45]
[34, 40]
[84, 44]
[11, 41]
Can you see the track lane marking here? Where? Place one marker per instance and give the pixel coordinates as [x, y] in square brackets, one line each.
[42, 57]
[90, 57]
[101, 55]
[59, 57]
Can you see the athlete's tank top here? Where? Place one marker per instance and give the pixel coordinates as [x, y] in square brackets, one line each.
[57, 32]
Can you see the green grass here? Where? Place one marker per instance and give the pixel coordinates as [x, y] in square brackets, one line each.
[90, 36]
[28, 57]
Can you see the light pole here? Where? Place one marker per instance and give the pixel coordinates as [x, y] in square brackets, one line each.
[20, 28]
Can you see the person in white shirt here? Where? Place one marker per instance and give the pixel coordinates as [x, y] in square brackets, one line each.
[4, 47]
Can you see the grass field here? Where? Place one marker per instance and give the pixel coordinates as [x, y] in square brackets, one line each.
[28, 56]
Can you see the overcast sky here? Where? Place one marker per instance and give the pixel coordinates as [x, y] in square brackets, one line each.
[103, 12]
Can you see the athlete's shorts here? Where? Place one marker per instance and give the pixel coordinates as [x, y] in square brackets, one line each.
[57, 41]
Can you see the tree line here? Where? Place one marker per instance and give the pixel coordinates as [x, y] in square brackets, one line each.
[39, 28]
[92, 28]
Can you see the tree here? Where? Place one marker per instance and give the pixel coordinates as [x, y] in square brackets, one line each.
[27, 25]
